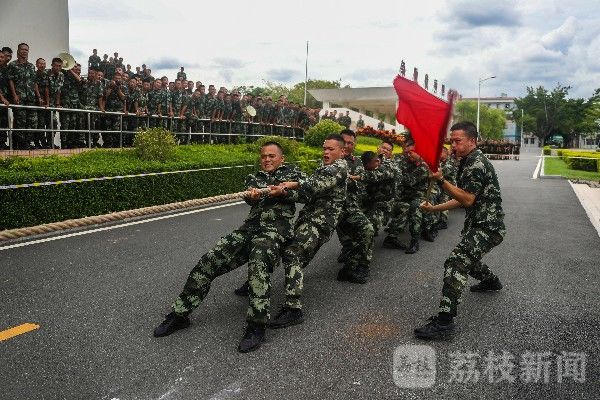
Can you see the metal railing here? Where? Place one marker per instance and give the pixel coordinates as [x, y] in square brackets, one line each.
[208, 134]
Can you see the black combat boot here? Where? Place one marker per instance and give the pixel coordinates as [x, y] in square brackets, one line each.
[437, 327]
[429, 235]
[172, 323]
[243, 290]
[393, 243]
[348, 275]
[487, 285]
[253, 337]
[442, 225]
[287, 317]
[413, 247]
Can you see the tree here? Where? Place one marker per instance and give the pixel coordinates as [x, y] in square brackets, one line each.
[297, 92]
[549, 114]
[491, 121]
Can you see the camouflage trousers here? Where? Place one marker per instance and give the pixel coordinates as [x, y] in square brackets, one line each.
[406, 212]
[24, 119]
[356, 233]
[465, 261]
[431, 219]
[378, 213]
[260, 249]
[309, 235]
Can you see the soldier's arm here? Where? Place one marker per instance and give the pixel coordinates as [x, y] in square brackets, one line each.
[47, 95]
[321, 182]
[251, 197]
[58, 99]
[463, 197]
[382, 173]
[449, 205]
[13, 92]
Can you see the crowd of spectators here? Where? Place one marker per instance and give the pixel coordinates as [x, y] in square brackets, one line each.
[181, 105]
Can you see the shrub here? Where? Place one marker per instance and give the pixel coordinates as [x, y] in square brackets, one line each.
[589, 163]
[315, 135]
[559, 152]
[155, 144]
[547, 151]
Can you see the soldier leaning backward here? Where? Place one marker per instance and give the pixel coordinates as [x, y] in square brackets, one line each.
[257, 242]
[324, 195]
[478, 191]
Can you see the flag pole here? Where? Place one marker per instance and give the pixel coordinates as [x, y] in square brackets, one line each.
[306, 73]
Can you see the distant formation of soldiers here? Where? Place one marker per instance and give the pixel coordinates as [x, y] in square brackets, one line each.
[499, 149]
[182, 106]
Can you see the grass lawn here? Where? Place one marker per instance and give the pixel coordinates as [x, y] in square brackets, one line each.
[365, 143]
[556, 166]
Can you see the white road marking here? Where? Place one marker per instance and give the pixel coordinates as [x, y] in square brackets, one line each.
[230, 391]
[12, 246]
[536, 173]
[590, 201]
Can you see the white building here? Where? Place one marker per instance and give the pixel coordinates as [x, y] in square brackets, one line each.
[508, 105]
[43, 24]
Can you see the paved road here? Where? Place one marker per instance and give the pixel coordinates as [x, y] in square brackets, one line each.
[97, 298]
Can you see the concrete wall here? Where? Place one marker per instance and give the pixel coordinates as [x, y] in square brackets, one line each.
[43, 24]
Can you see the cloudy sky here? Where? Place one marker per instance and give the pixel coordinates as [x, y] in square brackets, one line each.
[524, 43]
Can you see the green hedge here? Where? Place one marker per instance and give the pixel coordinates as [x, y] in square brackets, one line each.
[547, 151]
[591, 163]
[44, 204]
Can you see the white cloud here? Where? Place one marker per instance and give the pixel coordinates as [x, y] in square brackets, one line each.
[561, 37]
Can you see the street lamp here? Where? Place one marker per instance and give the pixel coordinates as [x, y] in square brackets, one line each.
[478, 96]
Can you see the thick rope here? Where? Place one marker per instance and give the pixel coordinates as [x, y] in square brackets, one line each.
[117, 216]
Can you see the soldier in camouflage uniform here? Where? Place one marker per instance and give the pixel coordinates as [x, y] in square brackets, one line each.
[324, 194]
[380, 126]
[134, 110]
[166, 105]
[40, 139]
[381, 180]
[360, 123]
[181, 75]
[210, 110]
[448, 165]
[258, 242]
[354, 229]
[94, 60]
[154, 103]
[70, 98]
[177, 100]
[197, 106]
[116, 101]
[4, 100]
[236, 117]
[23, 88]
[92, 98]
[55, 80]
[478, 191]
[406, 211]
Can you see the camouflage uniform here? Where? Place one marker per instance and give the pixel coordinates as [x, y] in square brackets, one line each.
[154, 99]
[258, 242]
[449, 173]
[23, 77]
[116, 104]
[43, 116]
[177, 100]
[324, 194]
[55, 84]
[380, 191]
[360, 124]
[210, 105]
[165, 102]
[354, 229]
[236, 116]
[71, 120]
[4, 110]
[406, 208]
[483, 229]
[94, 61]
[90, 95]
[196, 106]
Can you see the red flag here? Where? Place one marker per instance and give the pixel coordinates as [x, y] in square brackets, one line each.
[426, 117]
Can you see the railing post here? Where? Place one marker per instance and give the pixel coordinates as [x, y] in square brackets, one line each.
[120, 131]
[89, 124]
[11, 122]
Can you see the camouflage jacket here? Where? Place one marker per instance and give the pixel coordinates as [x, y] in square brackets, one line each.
[165, 100]
[360, 123]
[134, 96]
[355, 189]
[91, 92]
[113, 100]
[4, 81]
[41, 78]
[24, 78]
[177, 101]
[415, 178]
[381, 183]
[273, 213]
[324, 194]
[449, 169]
[197, 105]
[55, 84]
[236, 111]
[210, 105]
[94, 61]
[154, 98]
[476, 175]
[70, 91]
